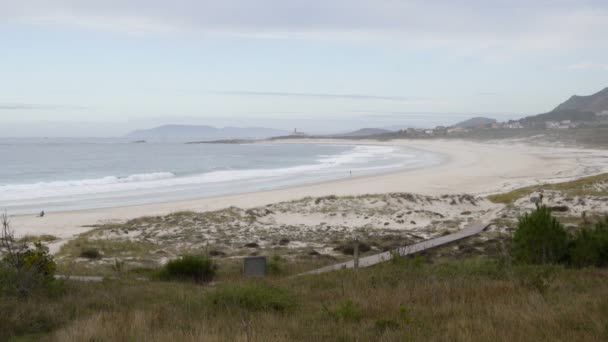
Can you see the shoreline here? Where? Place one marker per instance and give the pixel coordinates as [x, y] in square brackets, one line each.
[468, 167]
[296, 184]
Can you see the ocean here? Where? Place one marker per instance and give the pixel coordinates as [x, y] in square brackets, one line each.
[71, 174]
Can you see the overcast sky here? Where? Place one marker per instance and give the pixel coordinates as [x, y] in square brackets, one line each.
[101, 68]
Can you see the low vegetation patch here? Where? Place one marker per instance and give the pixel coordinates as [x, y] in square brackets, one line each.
[348, 248]
[90, 253]
[579, 187]
[345, 311]
[276, 265]
[38, 238]
[252, 297]
[199, 269]
[106, 247]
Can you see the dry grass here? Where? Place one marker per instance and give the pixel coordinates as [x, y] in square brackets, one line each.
[109, 248]
[587, 186]
[471, 300]
[38, 238]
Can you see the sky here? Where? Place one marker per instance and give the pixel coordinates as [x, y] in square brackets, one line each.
[103, 68]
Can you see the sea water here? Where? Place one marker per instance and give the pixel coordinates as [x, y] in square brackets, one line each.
[70, 174]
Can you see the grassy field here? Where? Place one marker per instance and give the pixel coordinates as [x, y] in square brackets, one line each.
[476, 299]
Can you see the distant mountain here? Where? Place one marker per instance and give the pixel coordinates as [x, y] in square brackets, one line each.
[364, 132]
[203, 133]
[559, 115]
[579, 109]
[475, 122]
[596, 103]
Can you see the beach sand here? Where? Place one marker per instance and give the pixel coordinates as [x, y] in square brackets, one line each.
[469, 167]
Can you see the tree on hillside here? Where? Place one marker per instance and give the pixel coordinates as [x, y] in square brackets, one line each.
[540, 238]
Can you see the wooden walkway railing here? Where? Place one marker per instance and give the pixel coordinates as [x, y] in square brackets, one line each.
[371, 260]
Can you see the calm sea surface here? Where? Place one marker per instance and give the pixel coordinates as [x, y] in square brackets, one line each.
[53, 175]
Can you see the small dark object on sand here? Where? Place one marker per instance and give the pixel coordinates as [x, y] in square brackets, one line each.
[41, 214]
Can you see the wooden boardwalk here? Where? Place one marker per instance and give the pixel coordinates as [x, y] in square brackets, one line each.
[371, 260]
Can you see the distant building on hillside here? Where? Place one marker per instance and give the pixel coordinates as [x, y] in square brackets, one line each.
[558, 124]
[513, 125]
[457, 129]
[297, 134]
[440, 130]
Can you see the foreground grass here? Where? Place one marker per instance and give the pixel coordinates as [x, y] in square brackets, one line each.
[580, 187]
[471, 300]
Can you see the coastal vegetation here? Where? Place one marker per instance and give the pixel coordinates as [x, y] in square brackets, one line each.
[536, 275]
[587, 186]
[477, 299]
[310, 228]
[196, 268]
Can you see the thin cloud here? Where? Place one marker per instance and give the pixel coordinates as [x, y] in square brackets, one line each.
[30, 106]
[514, 24]
[322, 96]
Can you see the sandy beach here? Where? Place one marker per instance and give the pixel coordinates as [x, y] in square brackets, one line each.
[469, 167]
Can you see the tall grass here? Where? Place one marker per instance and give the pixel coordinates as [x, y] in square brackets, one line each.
[473, 300]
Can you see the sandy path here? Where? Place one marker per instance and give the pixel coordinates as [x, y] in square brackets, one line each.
[469, 168]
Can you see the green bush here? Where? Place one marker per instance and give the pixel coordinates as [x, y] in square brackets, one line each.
[276, 265]
[90, 253]
[26, 269]
[590, 246]
[39, 259]
[200, 269]
[540, 238]
[252, 297]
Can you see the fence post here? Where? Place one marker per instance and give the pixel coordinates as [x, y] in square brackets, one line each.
[356, 254]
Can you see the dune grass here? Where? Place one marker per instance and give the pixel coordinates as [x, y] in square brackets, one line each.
[477, 299]
[107, 248]
[38, 238]
[580, 187]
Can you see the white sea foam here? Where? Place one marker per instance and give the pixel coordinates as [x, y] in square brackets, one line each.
[357, 158]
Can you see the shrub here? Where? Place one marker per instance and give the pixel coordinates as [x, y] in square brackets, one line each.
[348, 248]
[200, 269]
[345, 311]
[90, 253]
[253, 297]
[540, 238]
[276, 265]
[26, 270]
[590, 246]
[536, 277]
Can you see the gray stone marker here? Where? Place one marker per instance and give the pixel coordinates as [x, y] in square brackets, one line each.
[254, 266]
